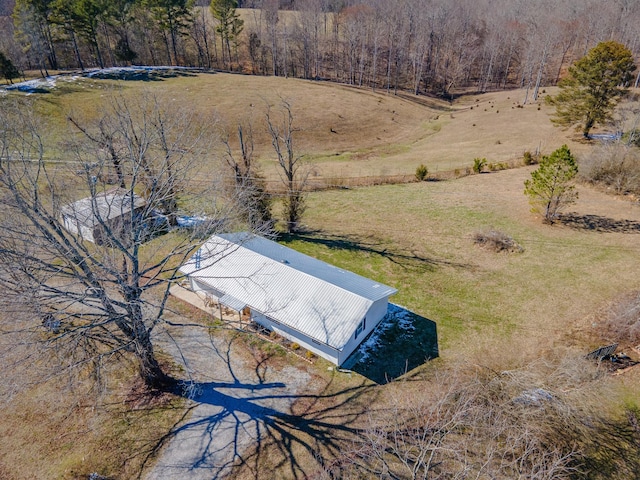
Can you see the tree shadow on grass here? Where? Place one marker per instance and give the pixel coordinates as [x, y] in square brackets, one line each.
[403, 341]
[261, 420]
[403, 258]
[598, 223]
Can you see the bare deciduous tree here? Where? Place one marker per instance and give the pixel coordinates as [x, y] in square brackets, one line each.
[292, 171]
[542, 420]
[248, 183]
[92, 303]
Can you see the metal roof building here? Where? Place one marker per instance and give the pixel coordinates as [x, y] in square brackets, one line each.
[91, 217]
[326, 309]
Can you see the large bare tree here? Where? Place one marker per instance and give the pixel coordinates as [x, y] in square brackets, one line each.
[248, 186]
[292, 170]
[92, 303]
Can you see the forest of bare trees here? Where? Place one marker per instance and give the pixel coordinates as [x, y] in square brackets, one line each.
[420, 46]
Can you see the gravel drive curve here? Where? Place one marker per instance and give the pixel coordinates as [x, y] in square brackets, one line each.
[233, 393]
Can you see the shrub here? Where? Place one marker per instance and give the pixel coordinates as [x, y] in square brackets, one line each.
[528, 158]
[615, 166]
[622, 320]
[295, 346]
[497, 241]
[479, 164]
[495, 167]
[422, 172]
[632, 137]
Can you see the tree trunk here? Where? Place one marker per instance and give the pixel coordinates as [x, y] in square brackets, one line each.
[150, 370]
[76, 50]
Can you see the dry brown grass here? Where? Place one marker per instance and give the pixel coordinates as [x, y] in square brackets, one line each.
[54, 431]
[346, 131]
[619, 322]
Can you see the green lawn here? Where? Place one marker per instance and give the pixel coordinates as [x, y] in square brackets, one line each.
[418, 238]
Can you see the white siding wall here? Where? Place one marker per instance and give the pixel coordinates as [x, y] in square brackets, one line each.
[74, 227]
[70, 224]
[197, 286]
[87, 233]
[318, 348]
[376, 313]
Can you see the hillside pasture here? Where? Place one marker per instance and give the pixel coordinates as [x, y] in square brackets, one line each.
[491, 310]
[341, 131]
[419, 239]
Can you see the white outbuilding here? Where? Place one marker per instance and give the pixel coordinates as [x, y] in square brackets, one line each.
[109, 213]
[324, 309]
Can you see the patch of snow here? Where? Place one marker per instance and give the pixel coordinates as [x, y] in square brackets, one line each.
[396, 315]
[123, 71]
[185, 221]
[606, 137]
[44, 85]
[32, 86]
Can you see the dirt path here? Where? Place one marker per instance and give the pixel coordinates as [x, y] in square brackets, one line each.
[235, 395]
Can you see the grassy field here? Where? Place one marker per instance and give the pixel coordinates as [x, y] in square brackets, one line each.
[342, 131]
[61, 430]
[419, 238]
[416, 237]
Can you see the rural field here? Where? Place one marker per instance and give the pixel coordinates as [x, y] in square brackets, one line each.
[507, 323]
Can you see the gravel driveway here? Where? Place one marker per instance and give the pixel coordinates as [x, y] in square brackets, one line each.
[235, 396]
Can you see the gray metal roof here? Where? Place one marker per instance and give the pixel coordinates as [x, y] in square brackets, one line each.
[105, 206]
[320, 300]
[232, 302]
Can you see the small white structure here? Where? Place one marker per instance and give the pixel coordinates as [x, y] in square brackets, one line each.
[91, 217]
[325, 309]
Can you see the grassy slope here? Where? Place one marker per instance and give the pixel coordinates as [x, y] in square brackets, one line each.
[419, 239]
[54, 431]
[343, 131]
[415, 237]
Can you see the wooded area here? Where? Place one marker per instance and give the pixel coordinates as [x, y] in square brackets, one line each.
[423, 46]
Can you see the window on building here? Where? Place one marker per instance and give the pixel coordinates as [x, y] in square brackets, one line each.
[361, 326]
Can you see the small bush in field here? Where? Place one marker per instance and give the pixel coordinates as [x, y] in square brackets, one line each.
[295, 346]
[422, 172]
[497, 241]
[614, 166]
[622, 320]
[479, 164]
[528, 158]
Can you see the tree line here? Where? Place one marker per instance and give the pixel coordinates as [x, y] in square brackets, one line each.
[422, 46]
